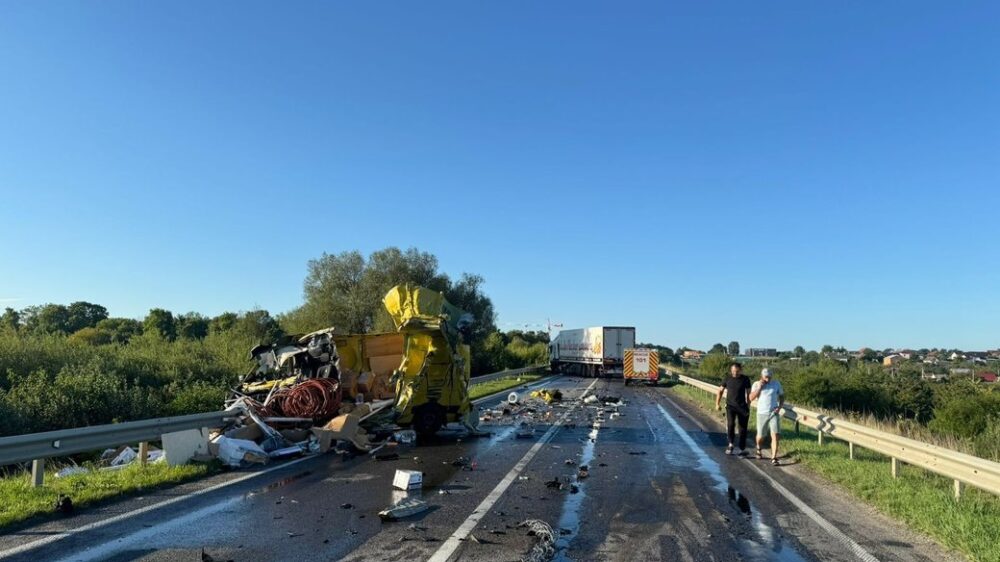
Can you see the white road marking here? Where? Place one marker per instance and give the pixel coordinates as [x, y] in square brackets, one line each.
[836, 533]
[453, 542]
[123, 516]
[20, 549]
[693, 419]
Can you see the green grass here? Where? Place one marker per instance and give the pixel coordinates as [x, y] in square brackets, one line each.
[918, 498]
[491, 387]
[19, 501]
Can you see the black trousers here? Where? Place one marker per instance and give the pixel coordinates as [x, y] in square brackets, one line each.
[734, 415]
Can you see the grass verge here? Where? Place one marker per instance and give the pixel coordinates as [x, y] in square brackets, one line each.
[918, 498]
[19, 501]
[490, 387]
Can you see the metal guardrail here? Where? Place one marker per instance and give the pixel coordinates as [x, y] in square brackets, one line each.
[508, 373]
[961, 468]
[59, 443]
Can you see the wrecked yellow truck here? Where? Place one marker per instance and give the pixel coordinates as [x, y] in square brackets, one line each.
[426, 361]
[423, 367]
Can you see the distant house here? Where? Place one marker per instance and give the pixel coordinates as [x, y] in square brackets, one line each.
[960, 371]
[956, 356]
[892, 360]
[986, 376]
[761, 352]
[935, 377]
[929, 360]
[692, 354]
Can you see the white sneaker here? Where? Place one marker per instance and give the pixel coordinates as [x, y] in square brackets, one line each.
[729, 450]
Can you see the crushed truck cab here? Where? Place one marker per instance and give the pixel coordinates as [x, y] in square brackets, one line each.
[432, 381]
[425, 363]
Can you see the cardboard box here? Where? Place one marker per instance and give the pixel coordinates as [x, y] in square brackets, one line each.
[408, 480]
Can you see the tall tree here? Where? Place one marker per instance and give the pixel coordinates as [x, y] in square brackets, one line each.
[160, 321]
[345, 291]
[799, 351]
[192, 326]
[47, 319]
[223, 322]
[10, 320]
[718, 348]
[83, 314]
[259, 325]
[734, 348]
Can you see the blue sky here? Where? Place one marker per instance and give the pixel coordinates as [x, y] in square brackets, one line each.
[781, 174]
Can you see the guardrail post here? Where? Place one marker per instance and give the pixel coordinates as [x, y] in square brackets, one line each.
[958, 487]
[143, 452]
[796, 428]
[895, 467]
[819, 436]
[850, 450]
[37, 473]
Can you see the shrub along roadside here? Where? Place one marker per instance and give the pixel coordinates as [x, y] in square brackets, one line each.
[918, 498]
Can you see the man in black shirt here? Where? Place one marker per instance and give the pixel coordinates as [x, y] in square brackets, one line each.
[737, 389]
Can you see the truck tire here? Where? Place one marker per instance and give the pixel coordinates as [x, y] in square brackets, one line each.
[428, 419]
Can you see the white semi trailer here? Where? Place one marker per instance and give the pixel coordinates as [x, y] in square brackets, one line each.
[591, 352]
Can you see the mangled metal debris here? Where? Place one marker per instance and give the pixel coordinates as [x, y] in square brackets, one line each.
[313, 393]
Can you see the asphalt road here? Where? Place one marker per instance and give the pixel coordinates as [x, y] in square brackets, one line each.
[658, 488]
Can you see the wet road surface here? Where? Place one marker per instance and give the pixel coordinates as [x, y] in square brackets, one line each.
[657, 487]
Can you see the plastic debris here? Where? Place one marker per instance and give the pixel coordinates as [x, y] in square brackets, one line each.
[405, 508]
[545, 548]
[70, 471]
[235, 452]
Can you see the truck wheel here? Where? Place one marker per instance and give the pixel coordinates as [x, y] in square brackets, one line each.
[428, 419]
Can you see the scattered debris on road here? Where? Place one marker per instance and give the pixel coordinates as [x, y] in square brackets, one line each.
[404, 508]
[545, 548]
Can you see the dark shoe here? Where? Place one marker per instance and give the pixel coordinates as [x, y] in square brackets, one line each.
[760, 454]
[775, 462]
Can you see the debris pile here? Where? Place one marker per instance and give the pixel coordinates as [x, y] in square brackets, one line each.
[545, 548]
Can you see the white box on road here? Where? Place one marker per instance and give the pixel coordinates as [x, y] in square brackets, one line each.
[408, 479]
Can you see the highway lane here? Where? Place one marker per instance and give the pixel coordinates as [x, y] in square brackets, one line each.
[659, 488]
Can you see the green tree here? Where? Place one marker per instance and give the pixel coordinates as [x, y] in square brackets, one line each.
[345, 291]
[718, 348]
[120, 330]
[223, 322]
[259, 325]
[192, 326]
[827, 349]
[90, 336]
[47, 319]
[161, 322]
[714, 366]
[82, 314]
[733, 348]
[10, 320]
[799, 351]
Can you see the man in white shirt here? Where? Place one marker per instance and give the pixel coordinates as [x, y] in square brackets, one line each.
[770, 397]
